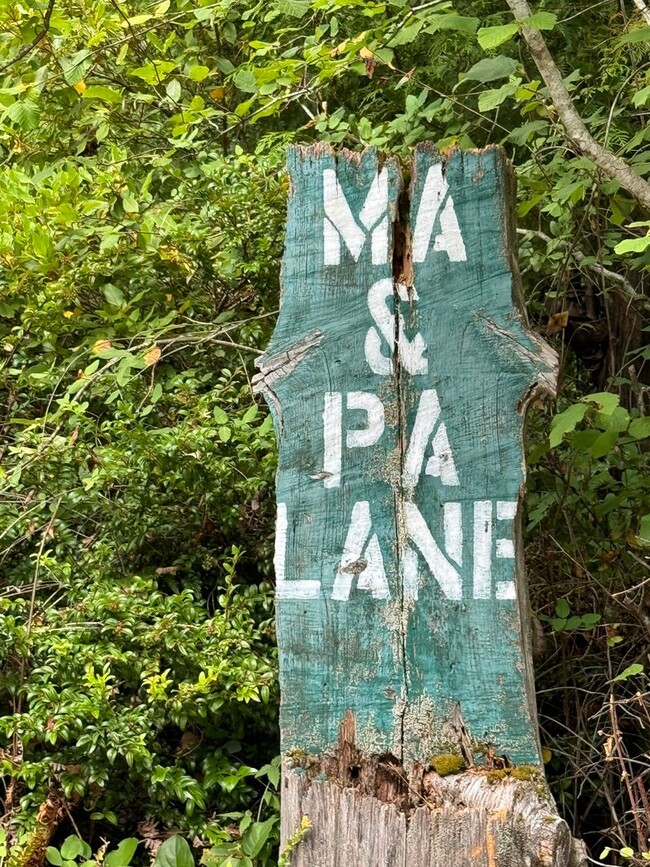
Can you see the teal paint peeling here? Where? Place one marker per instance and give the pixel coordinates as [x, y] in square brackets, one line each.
[399, 663]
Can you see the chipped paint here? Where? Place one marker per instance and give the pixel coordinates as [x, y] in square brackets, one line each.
[398, 375]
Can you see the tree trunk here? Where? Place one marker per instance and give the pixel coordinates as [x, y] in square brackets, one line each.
[398, 375]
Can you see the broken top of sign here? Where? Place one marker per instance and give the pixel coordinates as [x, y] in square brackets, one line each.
[397, 375]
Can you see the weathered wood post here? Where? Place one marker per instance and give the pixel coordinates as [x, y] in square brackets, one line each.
[398, 377]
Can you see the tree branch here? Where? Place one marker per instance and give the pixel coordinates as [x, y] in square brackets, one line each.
[642, 6]
[623, 285]
[613, 166]
[32, 45]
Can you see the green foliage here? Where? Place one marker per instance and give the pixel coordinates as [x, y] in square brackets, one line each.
[604, 464]
[588, 502]
[562, 618]
[294, 841]
[139, 280]
[72, 849]
[174, 852]
[75, 852]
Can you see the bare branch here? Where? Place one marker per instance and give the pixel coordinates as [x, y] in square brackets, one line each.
[623, 285]
[35, 41]
[613, 166]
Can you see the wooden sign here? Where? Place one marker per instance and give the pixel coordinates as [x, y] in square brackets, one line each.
[398, 377]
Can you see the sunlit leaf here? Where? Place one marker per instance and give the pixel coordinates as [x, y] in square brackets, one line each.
[490, 68]
[630, 671]
[565, 422]
[491, 37]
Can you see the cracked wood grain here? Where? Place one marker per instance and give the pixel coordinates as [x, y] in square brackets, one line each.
[398, 376]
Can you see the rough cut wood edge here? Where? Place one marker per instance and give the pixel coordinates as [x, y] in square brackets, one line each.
[369, 811]
[462, 820]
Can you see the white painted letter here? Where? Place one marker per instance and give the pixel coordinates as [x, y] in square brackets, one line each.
[441, 569]
[441, 463]
[425, 421]
[506, 511]
[332, 435]
[362, 557]
[374, 409]
[333, 430]
[339, 223]
[482, 549]
[453, 521]
[434, 193]
[410, 352]
[302, 589]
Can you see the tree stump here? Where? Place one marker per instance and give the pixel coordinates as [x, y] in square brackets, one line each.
[398, 376]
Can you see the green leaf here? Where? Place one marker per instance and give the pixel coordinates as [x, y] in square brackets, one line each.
[134, 20]
[224, 434]
[630, 671]
[644, 530]
[451, 21]
[53, 856]
[406, 35]
[489, 99]
[106, 94]
[174, 89]
[633, 245]
[174, 852]
[74, 68]
[71, 847]
[591, 619]
[24, 113]
[154, 73]
[627, 852]
[565, 422]
[121, 857]
[521, 134]
[114, 295]
[604, 443]
[130, 204]
[641, 97]
[542, 20]
[491, 37]
[639, 34]
[617, 420]
[605, 400]
[198, 72]
[256, 836]
[640, 428]
[244, 80]
[490, 68]
[562, 608]
[293, 8]
[224, 65]
[584, 439]
[252, 411]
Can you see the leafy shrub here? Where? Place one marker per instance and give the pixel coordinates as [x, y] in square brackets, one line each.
[588, 521]
[136, 633]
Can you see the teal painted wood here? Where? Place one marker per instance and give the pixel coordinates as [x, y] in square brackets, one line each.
[397, 377]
